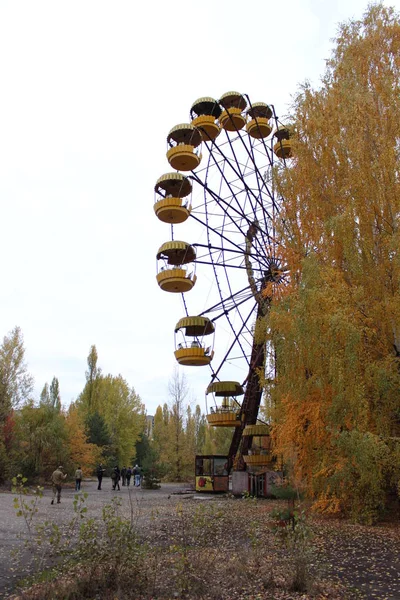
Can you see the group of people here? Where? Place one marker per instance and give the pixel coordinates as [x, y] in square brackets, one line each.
[58, 477]
[117, 474]
[126, 474]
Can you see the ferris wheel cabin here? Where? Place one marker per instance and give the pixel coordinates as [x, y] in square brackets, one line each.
[258, 125]
[192, 350]
[232, 118]
[172, 198]
[174, 274]
[204, 114]
[183, 141]
[283, 145]
[226, 412]
[259, 453]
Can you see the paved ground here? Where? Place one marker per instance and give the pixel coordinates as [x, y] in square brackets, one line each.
[366, 558]
[13, 527]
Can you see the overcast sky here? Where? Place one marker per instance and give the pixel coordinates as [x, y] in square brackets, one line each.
[90, 90]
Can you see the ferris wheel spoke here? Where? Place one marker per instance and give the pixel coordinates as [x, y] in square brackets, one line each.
[225, 205]
[234, 186]
[225, 305]
[218, 233]
[234, 165]
[237, 341]
[256, 197]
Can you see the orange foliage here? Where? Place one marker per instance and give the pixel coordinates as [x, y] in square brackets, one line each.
[82, 453]
[337, 331]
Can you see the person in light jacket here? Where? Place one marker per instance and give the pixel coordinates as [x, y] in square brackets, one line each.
[57, 478]
[136, 472]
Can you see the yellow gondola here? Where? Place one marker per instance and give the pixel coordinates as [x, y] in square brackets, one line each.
[204, 113]
[258, 116]
[233, 104]
[227, 414]
[283, 145]
[173, 275]
[194, 352]
[172, 204]
[183, 141]
[259, 455]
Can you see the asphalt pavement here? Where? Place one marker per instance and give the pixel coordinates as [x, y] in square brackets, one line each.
[14, 531]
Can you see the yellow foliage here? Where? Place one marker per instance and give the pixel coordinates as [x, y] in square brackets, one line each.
[336, 331]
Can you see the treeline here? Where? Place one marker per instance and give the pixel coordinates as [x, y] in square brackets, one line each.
[179, 433]
[107, 423]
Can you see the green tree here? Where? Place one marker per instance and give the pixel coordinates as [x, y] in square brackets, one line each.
[88, 398]
[54, 393]
[50, 396]
[97, 430]
[41, 439]
[146, 458]
[16, 384]
[109, 401]
[123, 413]
[45, 395]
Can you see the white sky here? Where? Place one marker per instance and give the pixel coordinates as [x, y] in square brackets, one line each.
[90, 90]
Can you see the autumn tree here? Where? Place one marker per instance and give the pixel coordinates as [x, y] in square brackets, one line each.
[81, 452]
[179, 433]
[337, 333]
[160, 437]
[200, 426]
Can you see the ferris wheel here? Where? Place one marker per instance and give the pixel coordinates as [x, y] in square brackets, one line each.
[221, 199]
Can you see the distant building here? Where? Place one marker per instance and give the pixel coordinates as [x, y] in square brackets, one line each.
[149, 426]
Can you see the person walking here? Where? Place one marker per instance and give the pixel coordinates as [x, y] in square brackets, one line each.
[123, 475]
[128, 476]
[57, 478]
[78, 479]
[99, 473]
[136, 472]
[116, 476]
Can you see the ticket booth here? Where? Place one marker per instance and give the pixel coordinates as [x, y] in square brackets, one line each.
[211, 473]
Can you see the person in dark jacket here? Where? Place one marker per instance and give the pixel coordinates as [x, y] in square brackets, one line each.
[116, 476]
[99, 473]
[128, 476]
[123, 475]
